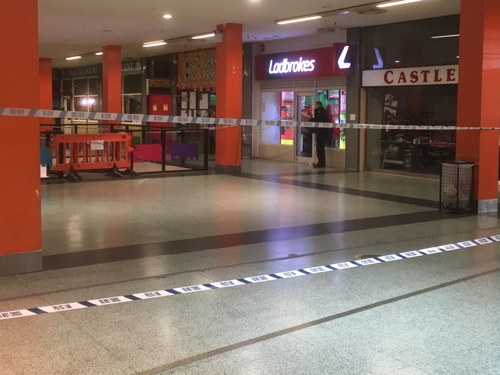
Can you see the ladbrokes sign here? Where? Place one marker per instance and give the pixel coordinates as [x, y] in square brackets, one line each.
[320, 62]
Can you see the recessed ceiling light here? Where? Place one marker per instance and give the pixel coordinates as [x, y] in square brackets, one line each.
[445, 36]
[203, 36]
[301, 19]
[73, 58]
[154, 44]
[167, 16]
[98, 53]
[393, 3]
[397, 61]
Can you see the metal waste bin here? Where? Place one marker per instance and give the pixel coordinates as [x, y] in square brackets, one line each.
[456, 187]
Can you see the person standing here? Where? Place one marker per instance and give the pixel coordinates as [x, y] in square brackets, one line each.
[322, 134]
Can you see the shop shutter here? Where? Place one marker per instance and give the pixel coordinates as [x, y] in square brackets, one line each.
[303, 84]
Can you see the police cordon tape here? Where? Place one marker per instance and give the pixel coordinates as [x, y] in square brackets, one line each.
[218, 122]
[246, 280]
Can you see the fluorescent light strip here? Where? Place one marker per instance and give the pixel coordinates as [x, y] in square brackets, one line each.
[98, 53]
[302, 19]
[445, 36]
[154, 44]
[73, 58]
[385, 5]
[209, 35]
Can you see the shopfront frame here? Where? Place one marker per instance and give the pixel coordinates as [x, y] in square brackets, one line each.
[335, 79]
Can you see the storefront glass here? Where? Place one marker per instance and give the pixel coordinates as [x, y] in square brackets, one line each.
[298, 106]
[419, 61]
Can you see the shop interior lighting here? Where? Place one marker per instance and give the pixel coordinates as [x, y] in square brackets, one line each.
[203, 36]
[393, 3]
[73, 58]
[445, 36]
[156, 43]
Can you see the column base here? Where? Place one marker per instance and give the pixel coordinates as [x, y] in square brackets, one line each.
[228, 169]
[15, 264]
[485, 206]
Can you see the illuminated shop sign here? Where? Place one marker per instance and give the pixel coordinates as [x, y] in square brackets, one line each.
[285, 66]
[313, 63]
[429, 75]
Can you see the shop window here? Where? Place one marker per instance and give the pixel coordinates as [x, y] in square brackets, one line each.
[132, 83]
[411, 44]
[80, 86]
[416, 150]
[132, 104]
[93, 86]
[67, 87]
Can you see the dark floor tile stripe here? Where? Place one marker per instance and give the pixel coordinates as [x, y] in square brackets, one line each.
[279, 179]
[115, 254]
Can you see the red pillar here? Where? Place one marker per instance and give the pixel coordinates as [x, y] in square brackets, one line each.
[20, 213]
[479, 67]
[229, 96]
[45, 88]
[111, 80]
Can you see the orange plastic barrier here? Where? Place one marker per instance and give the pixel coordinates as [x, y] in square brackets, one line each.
[92, 151]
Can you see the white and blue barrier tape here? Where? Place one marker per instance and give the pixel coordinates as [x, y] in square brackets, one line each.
[208, 121]
[245, 280]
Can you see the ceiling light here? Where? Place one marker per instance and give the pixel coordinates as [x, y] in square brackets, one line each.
[167, 16]
[154, 44]
[384, 5]
[98, 53]
[73, 58]
[445, 36]
[203, 36]
[301, 19]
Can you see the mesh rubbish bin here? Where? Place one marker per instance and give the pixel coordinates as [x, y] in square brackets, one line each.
[456, 186]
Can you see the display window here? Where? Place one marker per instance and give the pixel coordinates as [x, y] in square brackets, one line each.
[132, 93]
[419, 151]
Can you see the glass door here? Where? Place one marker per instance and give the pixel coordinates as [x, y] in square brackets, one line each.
[304, 110]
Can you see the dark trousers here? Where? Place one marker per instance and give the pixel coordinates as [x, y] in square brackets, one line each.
[321, 138]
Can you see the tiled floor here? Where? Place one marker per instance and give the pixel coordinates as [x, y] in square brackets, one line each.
[434, 314]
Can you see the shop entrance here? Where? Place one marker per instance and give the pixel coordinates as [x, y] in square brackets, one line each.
[304, 110]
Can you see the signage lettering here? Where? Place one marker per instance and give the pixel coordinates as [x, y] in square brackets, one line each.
[131, 66]
[435, 75]
[450, 75]
[341, 61]
[80, 72]
[386, 77]
[285, 66]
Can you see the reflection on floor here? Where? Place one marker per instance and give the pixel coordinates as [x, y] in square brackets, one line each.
[436, 314]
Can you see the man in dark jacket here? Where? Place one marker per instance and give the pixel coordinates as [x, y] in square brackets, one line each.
[322, 134]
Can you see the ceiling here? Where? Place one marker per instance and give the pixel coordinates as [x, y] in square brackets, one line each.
[75, 27]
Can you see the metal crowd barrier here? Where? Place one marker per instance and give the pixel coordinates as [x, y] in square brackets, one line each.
[138, 149]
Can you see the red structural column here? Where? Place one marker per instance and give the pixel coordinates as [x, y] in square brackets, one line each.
[479, 67]
[45, 88]
[20, 213]
[229, 96]
[111, 79]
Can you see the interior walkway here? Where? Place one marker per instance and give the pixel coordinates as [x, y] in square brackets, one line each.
[428, 312]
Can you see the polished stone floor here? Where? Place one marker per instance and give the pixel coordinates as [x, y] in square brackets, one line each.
[432, 314]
